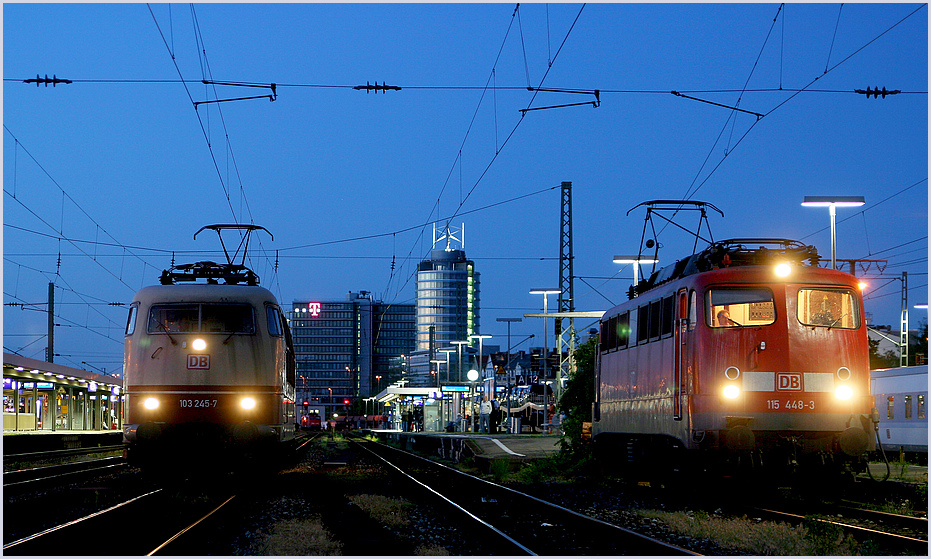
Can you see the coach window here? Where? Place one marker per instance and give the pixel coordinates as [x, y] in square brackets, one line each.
[908, 406]
[656, 319]
[890, 407]
[632, 328]
[834, 308]
[622, 330]
[643, 324]
[668, 315]
[921, 406]
[733, 307]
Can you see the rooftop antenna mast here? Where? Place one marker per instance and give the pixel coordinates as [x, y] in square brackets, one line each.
[450, 235]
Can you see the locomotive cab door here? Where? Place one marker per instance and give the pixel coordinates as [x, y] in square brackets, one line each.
[681, 340]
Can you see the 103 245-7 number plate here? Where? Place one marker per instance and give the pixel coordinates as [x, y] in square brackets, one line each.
[198, 403]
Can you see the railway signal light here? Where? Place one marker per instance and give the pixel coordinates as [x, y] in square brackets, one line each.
[345, 401]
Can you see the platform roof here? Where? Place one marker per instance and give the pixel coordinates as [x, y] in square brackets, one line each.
[29, 370]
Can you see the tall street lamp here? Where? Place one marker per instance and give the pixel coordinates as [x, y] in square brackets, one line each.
[481, 369]
[545, 292]
[459, 348]
[636, 261]
[472, 376]
[480, 337]
[833, 202]
[508, 366]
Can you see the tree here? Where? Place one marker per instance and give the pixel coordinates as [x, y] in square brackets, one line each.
[886, 360]
[576, 401]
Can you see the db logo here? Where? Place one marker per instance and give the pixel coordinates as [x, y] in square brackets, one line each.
[198, 361]
[790, 382]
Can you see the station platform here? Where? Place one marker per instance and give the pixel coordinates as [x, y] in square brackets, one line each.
[25, 442]
[483, 448]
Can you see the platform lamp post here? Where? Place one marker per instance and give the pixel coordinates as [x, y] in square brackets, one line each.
[545, 292]
[480, 337]
[636, 260]
[508, 366]
[447, 351]
[833, 202]
[439, 385]
[459, 348]
[472, 376]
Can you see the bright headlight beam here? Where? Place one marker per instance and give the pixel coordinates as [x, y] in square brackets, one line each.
[843, 392]
[731, 391]
[247, 403]
[150, 403]
[199, 344]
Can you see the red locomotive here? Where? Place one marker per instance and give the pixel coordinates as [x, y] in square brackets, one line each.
[740, 356]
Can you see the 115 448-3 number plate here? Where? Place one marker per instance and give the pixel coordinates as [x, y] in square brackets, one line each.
[791, 404]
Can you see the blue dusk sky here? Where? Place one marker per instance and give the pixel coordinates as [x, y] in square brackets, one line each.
[107, 178]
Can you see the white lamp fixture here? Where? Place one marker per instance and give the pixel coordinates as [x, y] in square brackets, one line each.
[833, 202]
[636, 261]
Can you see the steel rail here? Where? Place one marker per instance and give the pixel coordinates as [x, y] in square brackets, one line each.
[76, 521]
[455, 505]
[667, 549]
[896, 541]
[170, 540]
[46, 473]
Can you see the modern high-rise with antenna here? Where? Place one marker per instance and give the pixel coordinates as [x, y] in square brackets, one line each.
[447, 300]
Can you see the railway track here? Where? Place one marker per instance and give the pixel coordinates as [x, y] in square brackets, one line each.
[28, 477]
[910, 535]
[517, 523]
[152, 530]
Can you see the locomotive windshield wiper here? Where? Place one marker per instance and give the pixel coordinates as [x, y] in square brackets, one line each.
[165, 328]
[831, 325]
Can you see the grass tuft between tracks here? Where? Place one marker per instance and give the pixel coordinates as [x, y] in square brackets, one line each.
[305, 536]
[759, 537]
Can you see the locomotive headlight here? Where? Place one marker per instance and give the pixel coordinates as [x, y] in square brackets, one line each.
[199, 345]
[843, 392]
[247, 403]
[731, 391]
[783, 269]
[150, 403]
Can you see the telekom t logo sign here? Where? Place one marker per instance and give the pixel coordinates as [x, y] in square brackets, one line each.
[313, 309]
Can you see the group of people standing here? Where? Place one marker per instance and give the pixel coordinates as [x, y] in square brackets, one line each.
[489, 415]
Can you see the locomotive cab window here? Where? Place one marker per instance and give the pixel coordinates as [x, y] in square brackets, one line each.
[833, 308]
[734, 307]
[274, 321]
[131, 321]
[202, 318]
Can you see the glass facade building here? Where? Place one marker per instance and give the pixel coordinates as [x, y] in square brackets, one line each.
[345, 350]
[448, 297]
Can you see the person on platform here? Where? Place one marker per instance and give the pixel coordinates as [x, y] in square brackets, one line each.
[495, 415]
[484, 414]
